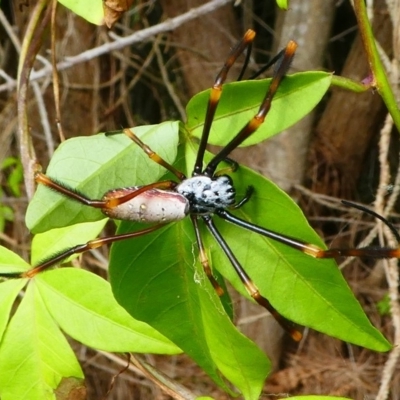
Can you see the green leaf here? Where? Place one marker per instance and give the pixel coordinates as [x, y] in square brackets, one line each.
[384, 306]
[309, 291]
[95, 165]
[34, 353]
[84, 307]
[315, 397]
[11, 262]
[306, 290]
[91, 10]
[8, 292]
[15, 175]
[53, 242]
[296, 97]
[157, 279]
[283, 4]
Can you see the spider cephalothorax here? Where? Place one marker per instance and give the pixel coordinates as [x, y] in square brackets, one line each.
[205, 194]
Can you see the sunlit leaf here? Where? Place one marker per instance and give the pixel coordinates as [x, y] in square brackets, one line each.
[309, 291]
[8, 292]
[34, 353]
[167, 289]
[91, 10]
[283, 4]
[84, 307]
[53, 242]
[296, 97]
[11, 262]
[94, 165]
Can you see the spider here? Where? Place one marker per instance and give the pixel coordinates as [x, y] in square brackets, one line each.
[203, 195]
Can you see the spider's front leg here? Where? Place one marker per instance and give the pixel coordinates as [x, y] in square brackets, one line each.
[156, 202]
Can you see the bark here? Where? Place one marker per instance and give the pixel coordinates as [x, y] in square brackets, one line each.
[349, 122]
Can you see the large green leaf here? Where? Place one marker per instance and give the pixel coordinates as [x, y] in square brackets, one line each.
[11, 262]
[159, 281]
[309, 291]
[84, 307]
[94, 165]
[50, 243]
[297, 95]
[34, 354]
[157, 278]
[8, 292]
[306, 290]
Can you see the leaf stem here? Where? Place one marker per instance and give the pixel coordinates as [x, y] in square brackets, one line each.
[381, 81]
[349, 84]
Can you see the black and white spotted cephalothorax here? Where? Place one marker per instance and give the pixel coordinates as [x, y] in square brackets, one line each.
[206, 195]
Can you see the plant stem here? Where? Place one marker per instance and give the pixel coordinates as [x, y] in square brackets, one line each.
[381, 81]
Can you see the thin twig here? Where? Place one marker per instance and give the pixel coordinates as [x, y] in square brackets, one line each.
[29, 49]
[36, 88]
[126, 89]
[139, 366]
[391, 269]
[56, 80]
[168, 84]
[375, 63]
[120, 43]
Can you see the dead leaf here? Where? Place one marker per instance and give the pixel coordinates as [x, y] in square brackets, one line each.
[114, 9]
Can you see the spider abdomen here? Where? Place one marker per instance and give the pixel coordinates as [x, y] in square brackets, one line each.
[154, 205]
[206, 195]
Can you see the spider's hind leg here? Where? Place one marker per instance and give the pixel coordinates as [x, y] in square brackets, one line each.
[249, 284]
[204, 259]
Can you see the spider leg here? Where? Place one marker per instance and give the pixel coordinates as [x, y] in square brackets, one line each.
[109, 201]
[246, 61]
[248, 283]
[282, 67]
[246, 198]
[67, 191]
[267, 66]
[204, 259]
[233, 167]
[215, 95]
[374, 214]
[153, 155]
[309, 248]
[81, 248]
[113, 200]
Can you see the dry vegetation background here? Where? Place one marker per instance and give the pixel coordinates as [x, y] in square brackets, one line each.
[337, 152]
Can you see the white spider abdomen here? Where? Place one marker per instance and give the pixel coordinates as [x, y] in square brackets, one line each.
[154, 205]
